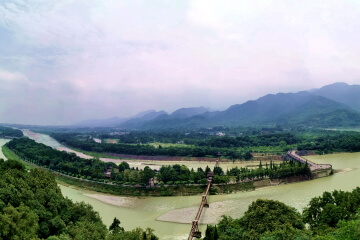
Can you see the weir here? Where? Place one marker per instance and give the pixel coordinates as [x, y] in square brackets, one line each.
[195, 232]
[317, 170]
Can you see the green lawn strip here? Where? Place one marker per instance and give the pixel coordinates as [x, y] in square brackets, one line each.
[11, 155]
[156, 144]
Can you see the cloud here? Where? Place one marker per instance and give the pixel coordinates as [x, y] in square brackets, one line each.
[76, 59]
[6, 76]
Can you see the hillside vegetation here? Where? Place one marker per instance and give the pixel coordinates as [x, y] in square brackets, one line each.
[332, 216]
[32, 207]
[6, 132]
[335, 105]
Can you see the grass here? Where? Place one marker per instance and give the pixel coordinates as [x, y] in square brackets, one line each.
[11, 155]
[156, 144]
[111, 140]
[349, 129]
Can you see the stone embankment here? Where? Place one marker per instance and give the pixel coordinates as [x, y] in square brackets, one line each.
[317, 170]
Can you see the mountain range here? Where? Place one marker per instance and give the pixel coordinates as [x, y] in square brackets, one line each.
[334, 105]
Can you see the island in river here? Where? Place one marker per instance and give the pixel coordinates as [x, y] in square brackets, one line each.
[167, 215]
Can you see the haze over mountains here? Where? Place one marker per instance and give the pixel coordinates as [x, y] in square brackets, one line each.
[334, 105]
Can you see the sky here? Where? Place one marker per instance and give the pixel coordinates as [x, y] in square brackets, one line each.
[66, 61]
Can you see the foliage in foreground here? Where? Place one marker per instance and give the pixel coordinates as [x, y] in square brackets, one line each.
[32, 207]
[332, 216]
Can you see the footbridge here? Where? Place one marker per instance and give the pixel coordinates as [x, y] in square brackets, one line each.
[195, 232]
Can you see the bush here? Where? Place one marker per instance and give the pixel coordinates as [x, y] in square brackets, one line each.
[203, 181]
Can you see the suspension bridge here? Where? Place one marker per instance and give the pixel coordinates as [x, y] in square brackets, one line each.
[195, 232]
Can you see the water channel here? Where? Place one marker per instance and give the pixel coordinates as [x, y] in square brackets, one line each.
[174, 211]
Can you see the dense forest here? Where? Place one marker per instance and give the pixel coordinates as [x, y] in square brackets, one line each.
[205, 145]
[88, 144]
[332, 216]
[6, 132]
[32, 207]
[95, 170]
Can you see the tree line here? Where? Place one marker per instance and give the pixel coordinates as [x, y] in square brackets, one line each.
[342, 142]
[10, 132]
[231, 147]
[88, 144]
[95, 170]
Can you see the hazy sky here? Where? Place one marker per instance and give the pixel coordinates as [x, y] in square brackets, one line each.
[62, 61]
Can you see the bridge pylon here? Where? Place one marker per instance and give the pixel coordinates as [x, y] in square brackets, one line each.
[204, 201]
[195, 232]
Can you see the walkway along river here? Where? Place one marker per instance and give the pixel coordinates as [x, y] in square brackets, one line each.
[166, 214]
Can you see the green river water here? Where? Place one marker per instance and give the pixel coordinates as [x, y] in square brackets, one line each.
[174, 211]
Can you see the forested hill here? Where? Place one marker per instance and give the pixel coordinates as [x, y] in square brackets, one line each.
[342, 93]
[324, 107]
[6, 132]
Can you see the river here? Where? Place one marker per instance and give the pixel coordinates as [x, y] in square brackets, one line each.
[147, 212]
[154, 164]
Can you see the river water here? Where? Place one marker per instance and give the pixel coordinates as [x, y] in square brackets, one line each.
[154, 164]
[173, 211]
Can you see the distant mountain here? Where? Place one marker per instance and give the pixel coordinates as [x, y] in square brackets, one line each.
[114, 121]
[109, 122]
[188, 112]
[307, 108]
[142, 114]
[140, 121]
[321, 112]
[341, 92]
[334, 105]
[263, 109]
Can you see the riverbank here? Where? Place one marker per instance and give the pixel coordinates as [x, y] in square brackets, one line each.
[159, 190]
[2, 142]
[159, 212]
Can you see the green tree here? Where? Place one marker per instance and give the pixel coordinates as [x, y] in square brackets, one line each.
[147, 174]
[272, 216]
[115, 226]
[18, 223]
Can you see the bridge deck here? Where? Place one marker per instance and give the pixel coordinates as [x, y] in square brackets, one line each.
[195, 232]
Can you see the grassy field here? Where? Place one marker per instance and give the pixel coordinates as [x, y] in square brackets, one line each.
[156, 144]
[111, 140]
[11, 155]
[270, 149]
[356, 129]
